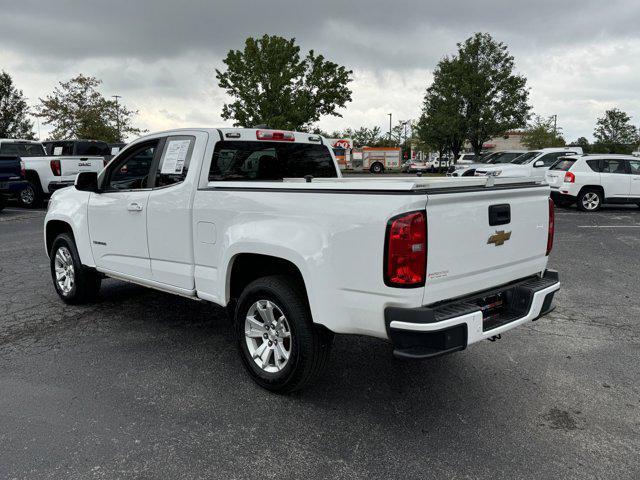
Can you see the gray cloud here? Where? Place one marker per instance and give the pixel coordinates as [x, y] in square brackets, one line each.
[164, 52]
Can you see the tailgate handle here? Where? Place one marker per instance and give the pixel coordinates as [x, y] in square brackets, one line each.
[500, 214]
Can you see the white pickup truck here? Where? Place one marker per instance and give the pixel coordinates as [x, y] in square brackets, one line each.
[46, 174]
[260, 221]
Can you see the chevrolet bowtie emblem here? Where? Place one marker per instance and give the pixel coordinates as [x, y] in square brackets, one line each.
[499, 238]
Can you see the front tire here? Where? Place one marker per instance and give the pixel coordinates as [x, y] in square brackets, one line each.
[3, 203]
[30, 196]
[589, 200]
[74, 283]
[281, 348]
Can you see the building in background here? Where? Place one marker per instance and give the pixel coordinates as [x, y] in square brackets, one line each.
[509, 141]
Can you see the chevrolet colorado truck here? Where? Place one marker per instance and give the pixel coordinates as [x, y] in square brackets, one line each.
[261, 222]
[46, 174]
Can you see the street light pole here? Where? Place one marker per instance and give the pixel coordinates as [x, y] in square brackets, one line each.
[117, 115]
[389, 128]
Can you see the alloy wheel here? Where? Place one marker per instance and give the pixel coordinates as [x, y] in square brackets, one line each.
[268, 336]
[65, 272]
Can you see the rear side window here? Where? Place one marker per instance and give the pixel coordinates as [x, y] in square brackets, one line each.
[614, 165]
[594, 165]
[174, 163]
[635, 167]
[564, 164]
[237, 160]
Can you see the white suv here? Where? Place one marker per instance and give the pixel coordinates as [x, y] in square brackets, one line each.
[532, 164]
[591, 180]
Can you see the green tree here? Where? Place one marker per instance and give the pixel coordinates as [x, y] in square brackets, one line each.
[76, 109]
[271, 84]
[614, 132]
[583, 143]
[442, 124]
[14, 122]
[495, 99]
[541, 133]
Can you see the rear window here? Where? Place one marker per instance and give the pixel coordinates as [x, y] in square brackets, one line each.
[22, 149]
[92, 148]
[246, 161]
[564, 164]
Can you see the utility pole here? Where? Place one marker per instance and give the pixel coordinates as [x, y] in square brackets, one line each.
[117, 115]
[555, 125]
[389, 128]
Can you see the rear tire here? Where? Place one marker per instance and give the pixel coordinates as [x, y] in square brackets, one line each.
[74, 283]
[281, 348]
[31, 196]
[3, 203]
[589, 200]
[377, 168]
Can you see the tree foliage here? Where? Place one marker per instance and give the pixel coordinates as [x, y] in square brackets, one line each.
[614, 132]
[442, 124]
[495, 99]
[76, 109]
[271, 84]
[541, 133]
[583, 143]
[14, 111]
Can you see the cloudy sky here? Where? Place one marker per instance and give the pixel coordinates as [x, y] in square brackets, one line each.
[580, 56]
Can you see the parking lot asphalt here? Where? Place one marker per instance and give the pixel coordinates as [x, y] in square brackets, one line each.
[147, 385]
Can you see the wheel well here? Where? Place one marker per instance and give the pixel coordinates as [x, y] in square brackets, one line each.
[55, 228]
[32, 176]
[592, 187]
[248, 267]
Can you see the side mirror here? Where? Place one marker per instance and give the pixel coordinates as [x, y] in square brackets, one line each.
[87, 182]
[538, 163]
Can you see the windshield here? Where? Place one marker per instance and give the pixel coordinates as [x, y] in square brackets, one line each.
[22, 149]
[505, 157]
[488, 157]
[526, 158]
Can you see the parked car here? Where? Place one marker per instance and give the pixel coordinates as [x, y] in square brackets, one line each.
[532, 164]
[436, 164]
[12, 178]
[414, 166]
[593, 180]
[494, 158]
[45, 174]
[466, 159]
[255, 220]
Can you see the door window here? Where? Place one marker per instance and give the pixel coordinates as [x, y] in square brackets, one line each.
[174, 163]
[614, 165]
[132, 172]
[635, 167]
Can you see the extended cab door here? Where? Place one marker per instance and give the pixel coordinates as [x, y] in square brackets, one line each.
[170, 212]
[118, 215]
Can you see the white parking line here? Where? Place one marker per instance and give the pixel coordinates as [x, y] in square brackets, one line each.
[608, 226]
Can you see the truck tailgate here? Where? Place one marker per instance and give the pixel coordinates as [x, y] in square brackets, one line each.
[467, 254]
[71, 166]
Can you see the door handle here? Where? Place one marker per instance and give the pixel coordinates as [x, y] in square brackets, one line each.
[134, 207]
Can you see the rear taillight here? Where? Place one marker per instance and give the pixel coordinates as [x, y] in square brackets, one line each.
[273, 135]
[552, 227]
[23, 169]
[405, 261]
[55, 167]
[569, 177]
